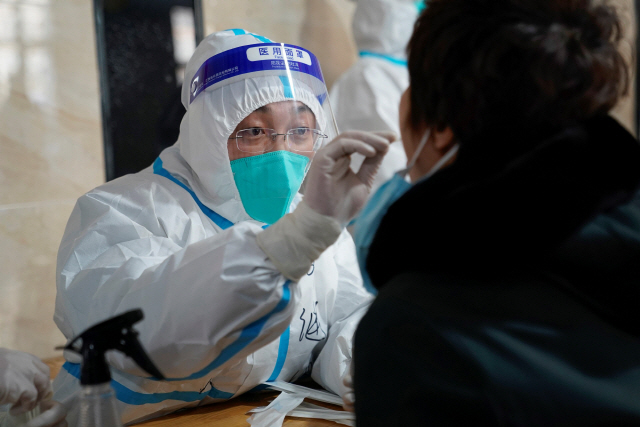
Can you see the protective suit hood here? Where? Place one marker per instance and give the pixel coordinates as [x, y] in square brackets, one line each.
[384, 27]
[200, 158]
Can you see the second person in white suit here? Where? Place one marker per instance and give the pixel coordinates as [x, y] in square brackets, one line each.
[367, 95]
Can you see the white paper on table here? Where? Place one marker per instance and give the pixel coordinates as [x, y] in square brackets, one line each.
[295, 393]
[319, 395]
[273, 415]
[309, 410]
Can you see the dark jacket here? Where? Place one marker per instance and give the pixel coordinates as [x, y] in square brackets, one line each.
[509, 285]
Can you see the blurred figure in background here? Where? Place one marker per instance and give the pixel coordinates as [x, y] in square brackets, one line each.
[508, 271]
[367, 95]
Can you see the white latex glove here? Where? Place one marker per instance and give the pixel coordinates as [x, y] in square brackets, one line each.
[349, 397]
[52, 414]
[332, 196]
[24, 380]
[332, 188]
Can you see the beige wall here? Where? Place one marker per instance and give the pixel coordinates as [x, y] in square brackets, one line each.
[50, 153]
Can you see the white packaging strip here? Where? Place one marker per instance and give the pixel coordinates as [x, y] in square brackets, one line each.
[319, 395]
[273, 415]
[309, 410]
[305, 410]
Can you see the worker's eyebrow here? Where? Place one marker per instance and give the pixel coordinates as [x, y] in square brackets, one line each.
[303, 109]
[297, 109]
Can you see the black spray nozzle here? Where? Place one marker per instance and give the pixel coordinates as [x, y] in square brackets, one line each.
[116, 333]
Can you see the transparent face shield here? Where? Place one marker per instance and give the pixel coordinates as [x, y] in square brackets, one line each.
[299, 120]
[285, 125]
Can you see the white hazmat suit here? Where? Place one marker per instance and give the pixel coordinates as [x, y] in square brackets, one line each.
[366, 97]
[176, 241]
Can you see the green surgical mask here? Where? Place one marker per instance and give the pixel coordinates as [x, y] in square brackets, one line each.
[268, 182]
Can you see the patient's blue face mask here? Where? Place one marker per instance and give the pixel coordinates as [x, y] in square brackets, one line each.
[370, 217]
[268, 182]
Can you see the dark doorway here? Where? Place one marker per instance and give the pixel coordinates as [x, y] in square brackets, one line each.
[636, 10]
[143, 47]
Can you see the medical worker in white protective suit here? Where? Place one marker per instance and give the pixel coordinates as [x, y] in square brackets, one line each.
[366, 97]
[233, 295]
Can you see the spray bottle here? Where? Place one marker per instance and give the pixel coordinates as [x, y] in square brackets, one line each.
[97, 400]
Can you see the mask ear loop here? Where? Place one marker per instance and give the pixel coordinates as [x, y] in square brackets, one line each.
[414, 158]
[452, 151]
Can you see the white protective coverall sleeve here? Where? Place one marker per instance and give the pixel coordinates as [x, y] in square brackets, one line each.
[115, 257]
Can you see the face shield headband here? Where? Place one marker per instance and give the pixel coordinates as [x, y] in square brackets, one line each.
[278, 59]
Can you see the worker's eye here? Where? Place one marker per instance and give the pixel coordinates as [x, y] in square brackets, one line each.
[255, 131]
[300, 131]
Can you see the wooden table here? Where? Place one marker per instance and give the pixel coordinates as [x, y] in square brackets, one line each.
[227, 414]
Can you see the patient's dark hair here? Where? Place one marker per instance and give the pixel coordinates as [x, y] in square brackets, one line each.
[487, 66]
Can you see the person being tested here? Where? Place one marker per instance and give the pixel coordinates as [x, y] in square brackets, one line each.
[240, 278]
[507, 270]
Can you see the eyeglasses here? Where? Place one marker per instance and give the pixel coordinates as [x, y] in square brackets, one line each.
[260, 140]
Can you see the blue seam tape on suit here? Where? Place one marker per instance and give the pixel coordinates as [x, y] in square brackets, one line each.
[262, 38]
[218, 219]
[283, 348]
[287, 87]
[239, 32]
[131, 397]
[248, 334]
[388, 58]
